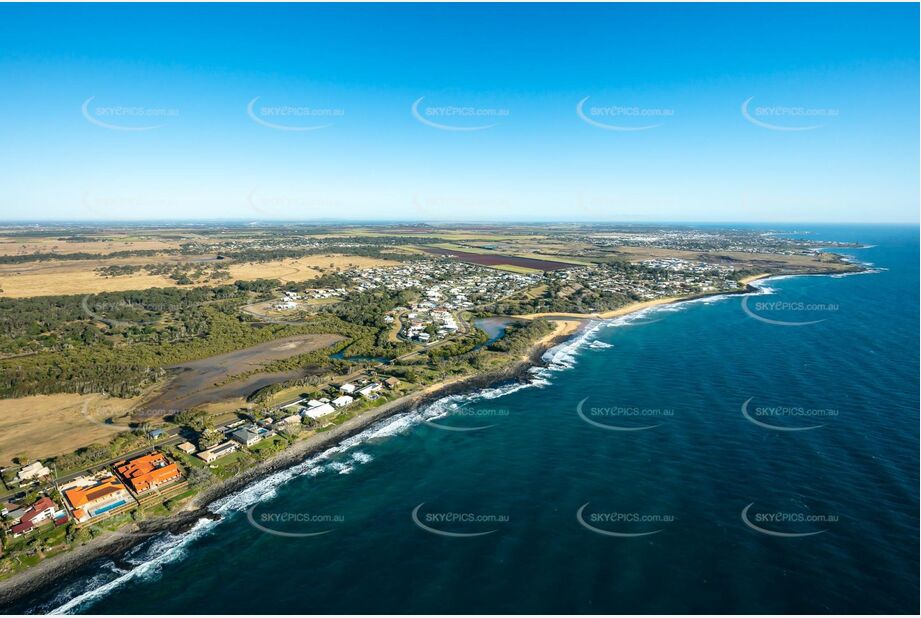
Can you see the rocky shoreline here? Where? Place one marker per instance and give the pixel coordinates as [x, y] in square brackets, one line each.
[114, 545]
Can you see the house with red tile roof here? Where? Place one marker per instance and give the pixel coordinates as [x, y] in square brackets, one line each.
[41, 510]
[148, 472]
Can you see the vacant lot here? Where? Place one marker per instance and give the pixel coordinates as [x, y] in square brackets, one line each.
[52, 278]
[48, 425]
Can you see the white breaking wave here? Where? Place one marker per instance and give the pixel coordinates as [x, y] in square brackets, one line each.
[563, 356]
[162, 551]
[153, 556]
[869, 271]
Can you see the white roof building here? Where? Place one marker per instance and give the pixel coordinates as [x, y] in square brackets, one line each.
[317, 411]
[348, 388]
[344, 400]
[33, 471]
[370, 389]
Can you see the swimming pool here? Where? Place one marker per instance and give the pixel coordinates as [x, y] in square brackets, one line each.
[107, 508]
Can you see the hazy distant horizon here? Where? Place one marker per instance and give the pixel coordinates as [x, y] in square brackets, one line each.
[438, 222]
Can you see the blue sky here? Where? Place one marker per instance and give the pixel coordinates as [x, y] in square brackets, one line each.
[151, 112]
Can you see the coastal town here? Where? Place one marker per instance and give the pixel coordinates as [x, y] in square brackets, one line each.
[376, 318]
[84, 501]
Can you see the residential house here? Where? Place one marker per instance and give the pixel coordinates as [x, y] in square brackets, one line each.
[317, 411]
[341, 402]
[216, 452]
[148, 472]
[34, 470]
[42, 510]
[94, 499]
[248, 436]
[369, 391]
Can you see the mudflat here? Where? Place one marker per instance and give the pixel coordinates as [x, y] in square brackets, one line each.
[203, 381]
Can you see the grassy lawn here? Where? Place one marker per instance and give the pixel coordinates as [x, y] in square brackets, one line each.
[49, 534]
[288, 394]
[229, 465]
[273, 443]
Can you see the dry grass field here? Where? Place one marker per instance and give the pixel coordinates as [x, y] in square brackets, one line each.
[49, 425]
[303, 269]
[79, 276]
[14, 246]
[54, 278]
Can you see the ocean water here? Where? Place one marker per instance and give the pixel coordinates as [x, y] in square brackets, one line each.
[663, 492]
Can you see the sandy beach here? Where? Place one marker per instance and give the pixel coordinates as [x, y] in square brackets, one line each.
[748, 280]
[639, 306]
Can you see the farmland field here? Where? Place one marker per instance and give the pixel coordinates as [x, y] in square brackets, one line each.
[492, 259]
[49, 425]
[80, 277]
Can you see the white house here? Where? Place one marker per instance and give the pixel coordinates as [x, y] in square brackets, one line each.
[33, 471]
[344, 400]
[248, 436]
[369, 390]
[218, 451]
[348, 388]
[317, 411]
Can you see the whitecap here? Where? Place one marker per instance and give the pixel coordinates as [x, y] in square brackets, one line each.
[151, 557]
